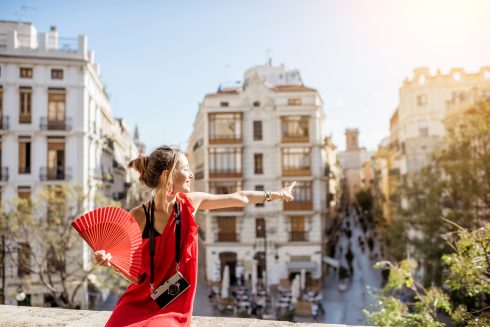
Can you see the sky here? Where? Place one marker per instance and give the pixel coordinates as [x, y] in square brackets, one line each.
[160, 58]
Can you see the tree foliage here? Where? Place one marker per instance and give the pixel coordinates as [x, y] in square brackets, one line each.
[364, 200]
[454, 186]
[404, 302]
[44, 223]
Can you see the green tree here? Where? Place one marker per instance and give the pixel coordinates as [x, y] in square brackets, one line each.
[468, 274]
[364, 200]
[455, 186]
[43, 223]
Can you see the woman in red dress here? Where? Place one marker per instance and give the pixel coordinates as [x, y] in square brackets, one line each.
[166, 171]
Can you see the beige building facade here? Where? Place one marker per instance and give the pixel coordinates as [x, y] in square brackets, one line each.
[417, 126]
[263, 135]
[424, 101]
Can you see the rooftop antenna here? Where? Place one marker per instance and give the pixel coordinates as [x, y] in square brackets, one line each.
[268, 57]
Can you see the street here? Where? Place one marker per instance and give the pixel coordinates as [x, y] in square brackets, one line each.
[346, 307]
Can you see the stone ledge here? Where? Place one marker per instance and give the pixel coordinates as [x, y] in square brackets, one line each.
[12, 316]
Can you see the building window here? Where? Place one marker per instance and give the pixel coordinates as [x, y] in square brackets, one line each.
[298, 232]
[256, 104]
[56, 109]
[225, 128]
[24, 156]
[423, 132]
[259, 227]
[257, 130]
[25, 72]
[225, 187]
[199, 172]
[295, 128]
[56, 73]
[422, 99]
[24, 260]
[227, 229]
[199, 143]
[294, 101]
[224, 104]
[458, 96]
[225, 162]
[258, 163]
[302, 193]
[296, 161]
[259, 188]
[25, 102]
[56, 160]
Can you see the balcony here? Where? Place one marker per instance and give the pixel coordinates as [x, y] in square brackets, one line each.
[5, 123]
[117, 165]
[25, 170]
[296, 171]
[25, 118]
[225, 174]
[225, 128]
[46, 124]
[295, 129]
[294, 205]
[227, 237]
[301, 236]
[225, 139]
[295, 139]
[4, 174]
[233, 209]
[96, 173]
[58, 173]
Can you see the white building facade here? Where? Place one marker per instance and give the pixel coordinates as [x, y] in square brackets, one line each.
[263, 135]
[57, 126]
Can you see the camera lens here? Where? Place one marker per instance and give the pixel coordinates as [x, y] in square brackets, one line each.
[173, 289]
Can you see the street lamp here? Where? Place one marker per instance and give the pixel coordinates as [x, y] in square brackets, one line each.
[2, 290]
[262, 231]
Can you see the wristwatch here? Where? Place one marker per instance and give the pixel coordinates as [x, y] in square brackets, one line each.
[268, 196]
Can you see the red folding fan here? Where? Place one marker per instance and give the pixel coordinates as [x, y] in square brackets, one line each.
[116, 231]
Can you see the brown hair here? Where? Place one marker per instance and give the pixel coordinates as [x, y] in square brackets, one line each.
[151, 167]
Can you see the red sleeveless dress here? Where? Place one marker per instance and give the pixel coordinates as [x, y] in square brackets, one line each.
[136, 307]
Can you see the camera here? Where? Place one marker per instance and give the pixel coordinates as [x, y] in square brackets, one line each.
[170, 290]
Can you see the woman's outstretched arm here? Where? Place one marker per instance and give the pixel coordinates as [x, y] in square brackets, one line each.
[207, 201]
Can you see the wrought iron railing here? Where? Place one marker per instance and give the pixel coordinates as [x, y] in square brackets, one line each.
[57, 173]
[46, 124]
[4, 174]
[5, 122]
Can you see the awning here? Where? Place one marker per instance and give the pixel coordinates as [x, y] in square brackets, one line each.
[331, 261]
[298, 265]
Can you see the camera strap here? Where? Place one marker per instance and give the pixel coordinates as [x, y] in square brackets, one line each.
[152, 240]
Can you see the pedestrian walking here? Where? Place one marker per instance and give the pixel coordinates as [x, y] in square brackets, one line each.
[314, 311]
[349, 256]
